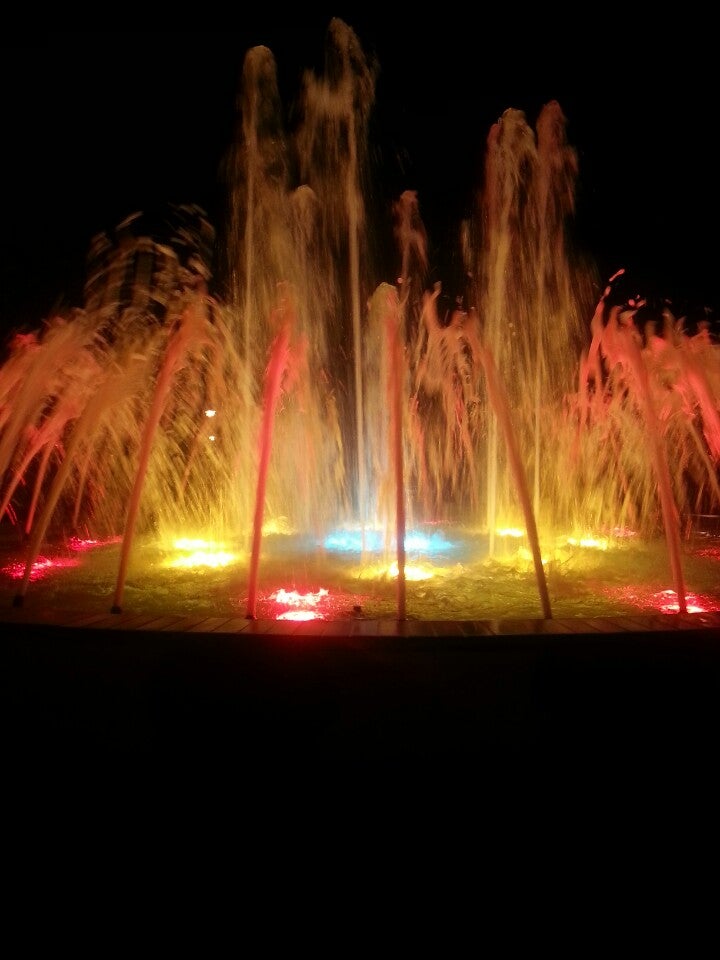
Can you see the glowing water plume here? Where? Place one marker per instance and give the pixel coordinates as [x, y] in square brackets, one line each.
[277, 367]
[532, 292]
[468, 349]
[184, 337]
[385, 365]
[331, 147]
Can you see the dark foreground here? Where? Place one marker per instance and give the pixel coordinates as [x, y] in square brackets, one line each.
[232, 702]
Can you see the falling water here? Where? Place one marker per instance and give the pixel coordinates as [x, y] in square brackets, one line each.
[276, 370]
[170, 402]
[531, 292]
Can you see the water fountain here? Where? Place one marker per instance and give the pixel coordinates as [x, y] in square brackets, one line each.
[309, 433]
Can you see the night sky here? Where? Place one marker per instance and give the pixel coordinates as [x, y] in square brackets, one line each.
[97, 126]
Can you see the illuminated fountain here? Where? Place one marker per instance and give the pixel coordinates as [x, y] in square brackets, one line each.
[315, 434]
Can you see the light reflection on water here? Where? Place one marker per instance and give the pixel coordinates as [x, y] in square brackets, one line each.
[449, 577]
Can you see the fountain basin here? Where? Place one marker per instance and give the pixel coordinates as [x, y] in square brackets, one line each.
[449, 577]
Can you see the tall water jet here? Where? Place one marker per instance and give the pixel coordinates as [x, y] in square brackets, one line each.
[385, 412]
[531, 293]
[276, 370]
[332, 141]
[259, 249]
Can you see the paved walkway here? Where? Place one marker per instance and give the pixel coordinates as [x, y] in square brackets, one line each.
[578, 626]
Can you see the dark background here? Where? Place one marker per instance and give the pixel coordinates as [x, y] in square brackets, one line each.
[97, 126]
